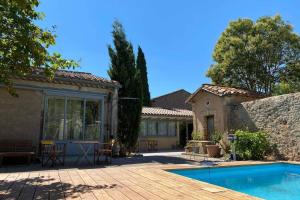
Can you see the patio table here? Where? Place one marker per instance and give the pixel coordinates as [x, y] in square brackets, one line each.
[84, 147]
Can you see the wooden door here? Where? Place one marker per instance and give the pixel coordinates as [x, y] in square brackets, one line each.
[210, 126]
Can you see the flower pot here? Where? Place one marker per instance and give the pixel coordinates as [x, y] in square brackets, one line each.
[213, 150]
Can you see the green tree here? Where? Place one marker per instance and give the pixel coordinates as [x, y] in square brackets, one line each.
[142, 67]
[123, 69]
[23, 45]
[256, 55]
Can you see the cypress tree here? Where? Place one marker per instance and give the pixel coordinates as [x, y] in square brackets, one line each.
[142, 67]
[123, 69]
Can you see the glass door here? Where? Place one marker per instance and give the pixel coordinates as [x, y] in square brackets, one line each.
[74, 119]
[54, 118]
[70, 118]
[92, 120]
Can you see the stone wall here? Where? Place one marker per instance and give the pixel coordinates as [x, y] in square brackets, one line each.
[278, 116]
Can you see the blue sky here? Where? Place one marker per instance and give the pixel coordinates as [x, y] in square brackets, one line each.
[177, 36]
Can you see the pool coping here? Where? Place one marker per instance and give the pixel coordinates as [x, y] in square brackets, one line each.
[225, 165]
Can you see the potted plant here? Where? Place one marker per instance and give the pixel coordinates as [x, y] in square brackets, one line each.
[197, 136]
[214, 150]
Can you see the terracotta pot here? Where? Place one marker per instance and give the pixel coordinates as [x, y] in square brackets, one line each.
[213, 150]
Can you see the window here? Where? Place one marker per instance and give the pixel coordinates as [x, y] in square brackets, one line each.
[157, 128]
[143, 128]
[152, 128]
[172, 128]
[69, 118]
[162, 128]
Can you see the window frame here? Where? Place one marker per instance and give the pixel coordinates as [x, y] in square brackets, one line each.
[84, 96]
[146, 121]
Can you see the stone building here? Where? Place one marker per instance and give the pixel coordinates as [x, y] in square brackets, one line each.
[212, 105]
[173, 100]
[72, 106]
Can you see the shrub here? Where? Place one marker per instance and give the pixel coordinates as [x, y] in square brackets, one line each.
[251, 145]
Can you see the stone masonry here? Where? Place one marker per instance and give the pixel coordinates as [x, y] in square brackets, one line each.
[279, 116]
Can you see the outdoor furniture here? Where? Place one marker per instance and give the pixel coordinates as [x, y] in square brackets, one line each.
[103, 149]
[197, 146]
[53, 152]
[16, 148]
[194, 155]
[150, 144]
[84, 147]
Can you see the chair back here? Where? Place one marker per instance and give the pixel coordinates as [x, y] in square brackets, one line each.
[47, 142]
[47, 146]
[107, 146]
[60, 147]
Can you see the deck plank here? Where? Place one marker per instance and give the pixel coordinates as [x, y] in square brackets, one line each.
[132, 182]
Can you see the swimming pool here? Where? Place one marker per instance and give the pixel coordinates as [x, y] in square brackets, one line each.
[278, 181]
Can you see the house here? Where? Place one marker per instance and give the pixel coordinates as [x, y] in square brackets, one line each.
[173, 100]
[168, 121]
[72, 106]
[212, 106]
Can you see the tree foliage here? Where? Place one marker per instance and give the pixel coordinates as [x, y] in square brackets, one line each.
[142, 67]
[23, 45]
[123, 69]
[257, 55]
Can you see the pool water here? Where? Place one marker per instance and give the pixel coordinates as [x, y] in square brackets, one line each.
[279, 181]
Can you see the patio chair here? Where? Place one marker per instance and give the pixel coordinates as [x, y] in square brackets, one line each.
[152, 145]
[103, 149]
[53, 152]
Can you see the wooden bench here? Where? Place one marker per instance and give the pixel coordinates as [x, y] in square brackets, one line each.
[16, 148]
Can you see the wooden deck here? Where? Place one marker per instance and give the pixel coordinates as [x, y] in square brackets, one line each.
[146, 181]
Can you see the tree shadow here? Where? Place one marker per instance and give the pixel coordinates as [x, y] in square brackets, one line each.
[159, 159]
[134, 160]
[45, 188]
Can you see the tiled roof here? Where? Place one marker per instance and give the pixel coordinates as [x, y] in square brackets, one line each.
[71, 77]
[155, 111]
[226, 91]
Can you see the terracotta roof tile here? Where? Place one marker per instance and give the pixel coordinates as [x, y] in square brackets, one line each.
[223, 90]
[226, 91]
[155, 111]
[64, 76]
